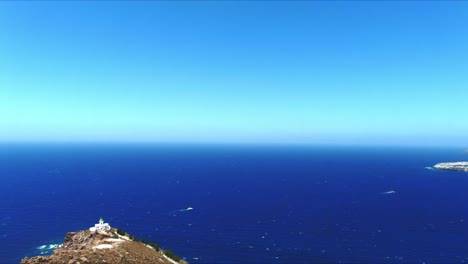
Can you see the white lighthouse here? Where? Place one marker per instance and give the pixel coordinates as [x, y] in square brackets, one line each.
[101, 226]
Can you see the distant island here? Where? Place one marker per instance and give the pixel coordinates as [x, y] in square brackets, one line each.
[104, 244]
[453, 166]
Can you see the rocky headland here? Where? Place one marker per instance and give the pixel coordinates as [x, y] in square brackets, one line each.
[112, 246]
[453, 166]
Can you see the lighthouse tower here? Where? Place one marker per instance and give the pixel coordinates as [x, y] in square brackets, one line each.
[101, 226]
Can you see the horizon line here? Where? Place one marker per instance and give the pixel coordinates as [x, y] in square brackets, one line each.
[238, 143]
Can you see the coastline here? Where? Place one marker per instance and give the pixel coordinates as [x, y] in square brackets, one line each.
[452, 166]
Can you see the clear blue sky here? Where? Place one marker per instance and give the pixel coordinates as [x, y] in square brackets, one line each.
[303, 72]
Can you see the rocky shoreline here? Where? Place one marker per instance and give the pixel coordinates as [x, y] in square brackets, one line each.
[452, 166]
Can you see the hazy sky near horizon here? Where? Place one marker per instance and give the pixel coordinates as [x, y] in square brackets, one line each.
[303, 72]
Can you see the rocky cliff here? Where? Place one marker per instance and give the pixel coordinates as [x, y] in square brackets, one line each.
[111, 246]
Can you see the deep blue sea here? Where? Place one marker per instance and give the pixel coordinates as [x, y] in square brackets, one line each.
[251, 204]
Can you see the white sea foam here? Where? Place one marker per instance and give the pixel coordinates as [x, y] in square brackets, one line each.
[48, 248]
[54, 246]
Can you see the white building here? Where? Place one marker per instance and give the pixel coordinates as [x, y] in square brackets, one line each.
[100, 226]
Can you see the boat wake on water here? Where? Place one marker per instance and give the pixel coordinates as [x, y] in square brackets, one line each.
[388, 192]
[181, 210]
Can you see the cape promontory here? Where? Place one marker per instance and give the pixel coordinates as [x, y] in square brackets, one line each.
[105, 245]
